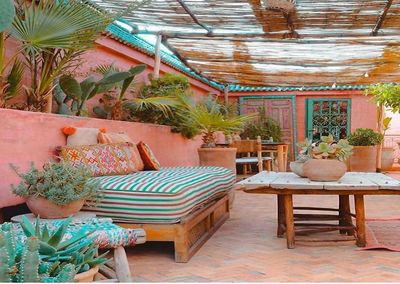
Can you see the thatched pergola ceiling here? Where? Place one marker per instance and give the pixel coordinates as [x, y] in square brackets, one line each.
[277, 42]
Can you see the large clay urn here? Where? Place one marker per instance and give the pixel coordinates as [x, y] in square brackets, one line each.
[218, 157]
[324, 169]
[46, 209]
[363, 159]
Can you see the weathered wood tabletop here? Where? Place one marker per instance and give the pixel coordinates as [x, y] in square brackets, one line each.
[285, 185]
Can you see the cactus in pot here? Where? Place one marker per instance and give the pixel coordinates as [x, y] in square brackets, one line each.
[21, 262]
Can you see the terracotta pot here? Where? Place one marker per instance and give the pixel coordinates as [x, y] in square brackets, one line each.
[48, 210]
[297, 168]
[363, 159]
[387, 158]
[324, 170]
[87, 276]
[218, 157]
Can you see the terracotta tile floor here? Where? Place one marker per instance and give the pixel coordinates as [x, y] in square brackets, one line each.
[245, 249]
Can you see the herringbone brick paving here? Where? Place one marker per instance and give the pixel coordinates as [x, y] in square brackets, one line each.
[246, 249]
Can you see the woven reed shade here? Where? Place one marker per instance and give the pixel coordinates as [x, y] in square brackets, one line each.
[278, 42]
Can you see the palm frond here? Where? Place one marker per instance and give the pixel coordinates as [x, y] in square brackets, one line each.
[107, 69]
[14, 80]
[164, 104]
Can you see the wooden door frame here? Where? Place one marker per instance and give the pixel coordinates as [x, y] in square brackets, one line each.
[292, 98]
[309, 110]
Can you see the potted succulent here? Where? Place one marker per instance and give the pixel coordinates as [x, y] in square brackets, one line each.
[57, 191]
[207, 120]
[365, 141]
[325, 160]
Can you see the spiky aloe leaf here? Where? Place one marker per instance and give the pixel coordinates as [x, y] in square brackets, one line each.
[59, 234]
[27, 227]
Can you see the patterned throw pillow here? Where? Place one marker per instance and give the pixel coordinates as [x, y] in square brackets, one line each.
[102, 159]
[77, 136]
[113, 137]
[149, 160]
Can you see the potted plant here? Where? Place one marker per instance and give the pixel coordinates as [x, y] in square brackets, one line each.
[57, 191]
[207, 120]
[365, 141]
[326, 159]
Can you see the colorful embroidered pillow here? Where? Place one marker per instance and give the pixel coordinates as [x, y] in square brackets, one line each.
[77, 136]
[149, 160]
[102, 159]
[113, 137]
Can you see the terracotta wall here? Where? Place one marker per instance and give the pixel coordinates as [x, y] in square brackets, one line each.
[363, 111]
[29, 136]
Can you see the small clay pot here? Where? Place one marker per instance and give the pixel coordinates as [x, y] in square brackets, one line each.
[387, 158]
[324, 170]
[297, 168]
[363, 159]
[87, 276]
[48, 210]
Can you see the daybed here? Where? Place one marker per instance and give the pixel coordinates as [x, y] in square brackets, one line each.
[185, 205]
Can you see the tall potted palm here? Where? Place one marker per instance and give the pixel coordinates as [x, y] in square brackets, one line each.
[208, 120]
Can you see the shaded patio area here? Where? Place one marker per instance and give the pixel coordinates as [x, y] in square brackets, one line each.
[245, 248]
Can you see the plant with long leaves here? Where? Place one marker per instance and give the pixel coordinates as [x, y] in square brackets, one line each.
[54, 34]
[116, 105]
[208, 119]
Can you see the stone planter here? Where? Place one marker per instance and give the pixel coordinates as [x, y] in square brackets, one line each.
[324, 170]
[363, 159]
[87, 276]
[387, 158]
[218, 157]
[297, 168]
[48, 210]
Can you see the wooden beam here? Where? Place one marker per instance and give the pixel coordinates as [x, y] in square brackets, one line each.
[193, 16]
[226, 94]
[157, 57]
[381, 18]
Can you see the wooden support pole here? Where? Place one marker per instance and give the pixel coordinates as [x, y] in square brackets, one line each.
[381, 18]
[226, 94]
[290, 234]
[193, 16]
[157, 57]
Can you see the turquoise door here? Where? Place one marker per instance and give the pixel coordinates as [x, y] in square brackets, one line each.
[328, 116]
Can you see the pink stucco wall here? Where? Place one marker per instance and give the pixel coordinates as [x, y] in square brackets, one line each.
[363, 111]
[29, 136]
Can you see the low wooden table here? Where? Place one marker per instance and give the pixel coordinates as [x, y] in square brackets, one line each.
[285, 185]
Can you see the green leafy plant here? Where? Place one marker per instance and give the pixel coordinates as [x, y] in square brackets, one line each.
[263, 126]
[80, 250]
[365, 137]
[115, 104]
[387, 95]
[209, 119]
[60, 183]
[21, 262]
[327, 148]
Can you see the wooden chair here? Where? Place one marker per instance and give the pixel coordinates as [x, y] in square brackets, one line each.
[252, 150]
[281, 151]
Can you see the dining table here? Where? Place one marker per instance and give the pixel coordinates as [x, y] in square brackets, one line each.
[287, 185]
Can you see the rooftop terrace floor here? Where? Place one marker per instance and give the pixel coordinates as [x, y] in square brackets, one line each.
[245, 248]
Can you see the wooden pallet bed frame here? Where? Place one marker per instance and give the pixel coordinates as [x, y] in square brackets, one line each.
[191, 232]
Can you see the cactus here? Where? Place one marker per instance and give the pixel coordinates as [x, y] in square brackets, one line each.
[27, 266]
[7, 14]
[79, 93]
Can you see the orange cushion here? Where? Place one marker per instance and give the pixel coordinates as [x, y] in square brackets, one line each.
[149, 160]
[77, 136]
[102, 159]
[113, 137]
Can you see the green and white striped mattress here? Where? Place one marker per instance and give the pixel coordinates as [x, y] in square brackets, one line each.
[163, 196]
